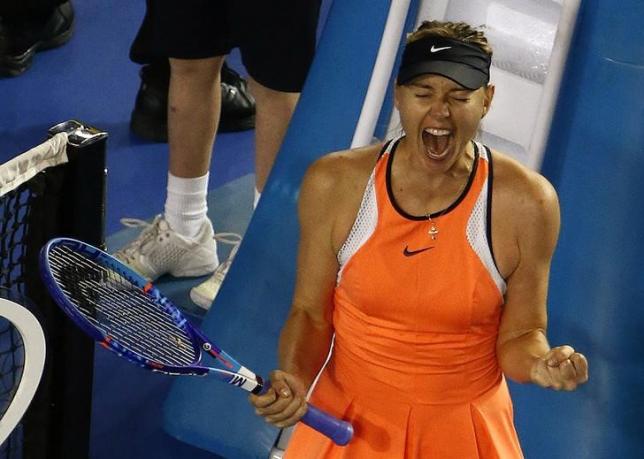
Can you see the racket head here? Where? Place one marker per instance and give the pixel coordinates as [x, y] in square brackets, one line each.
[91, 286]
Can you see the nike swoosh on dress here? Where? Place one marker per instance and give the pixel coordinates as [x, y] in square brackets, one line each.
[410, 253]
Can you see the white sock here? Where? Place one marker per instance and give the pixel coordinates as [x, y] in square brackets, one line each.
[256, 200]
[186, 207]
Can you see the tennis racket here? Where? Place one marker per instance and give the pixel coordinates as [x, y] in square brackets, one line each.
[128, 315]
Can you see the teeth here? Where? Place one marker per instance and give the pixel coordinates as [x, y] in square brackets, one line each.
[437, 132]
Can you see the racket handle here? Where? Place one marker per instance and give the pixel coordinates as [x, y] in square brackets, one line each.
[341, 432]
[337, 430]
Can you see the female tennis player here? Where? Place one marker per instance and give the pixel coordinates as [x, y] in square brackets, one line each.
[427, 257]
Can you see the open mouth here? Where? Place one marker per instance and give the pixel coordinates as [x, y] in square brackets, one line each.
[437, 142]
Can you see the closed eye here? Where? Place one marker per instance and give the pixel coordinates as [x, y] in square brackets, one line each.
[461, 96]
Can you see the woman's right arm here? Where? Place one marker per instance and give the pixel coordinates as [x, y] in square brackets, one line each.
[306, 336]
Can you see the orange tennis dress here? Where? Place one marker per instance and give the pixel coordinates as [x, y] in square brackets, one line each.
[416, 319]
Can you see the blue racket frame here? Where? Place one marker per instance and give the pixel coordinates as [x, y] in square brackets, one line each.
[235, 374]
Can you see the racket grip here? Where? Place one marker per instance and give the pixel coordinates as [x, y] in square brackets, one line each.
[341, 432]
[337, 430]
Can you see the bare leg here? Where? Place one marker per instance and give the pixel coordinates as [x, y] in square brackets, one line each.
[188, 248]
[273, 114]
[194, 104]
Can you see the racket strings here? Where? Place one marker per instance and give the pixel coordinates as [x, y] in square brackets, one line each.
[130, 319]
[121, 309]
[120, 318]
[123, 315]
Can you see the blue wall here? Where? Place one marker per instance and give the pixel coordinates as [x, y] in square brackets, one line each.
[595, 159]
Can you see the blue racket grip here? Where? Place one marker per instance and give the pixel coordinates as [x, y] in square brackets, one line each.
[341, 432]
[337, 430]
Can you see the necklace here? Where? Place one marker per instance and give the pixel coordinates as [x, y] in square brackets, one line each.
[433, 228]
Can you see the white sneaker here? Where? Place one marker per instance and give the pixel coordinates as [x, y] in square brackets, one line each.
[204, 293]
[159, 250]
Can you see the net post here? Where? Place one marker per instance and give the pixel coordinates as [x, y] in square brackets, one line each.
[84, 219]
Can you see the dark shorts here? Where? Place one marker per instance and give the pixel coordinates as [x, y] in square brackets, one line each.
[276, 38]
[25, 10]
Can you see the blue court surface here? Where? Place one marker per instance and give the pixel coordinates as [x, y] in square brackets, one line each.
[595, 159]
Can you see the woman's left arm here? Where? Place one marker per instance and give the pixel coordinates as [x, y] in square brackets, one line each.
[522, 347]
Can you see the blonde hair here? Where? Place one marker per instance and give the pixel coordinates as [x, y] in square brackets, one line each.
[455, 30]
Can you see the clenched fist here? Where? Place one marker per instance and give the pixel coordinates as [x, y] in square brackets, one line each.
[560, 369]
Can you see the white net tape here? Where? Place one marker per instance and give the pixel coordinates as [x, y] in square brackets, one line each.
[23, 167]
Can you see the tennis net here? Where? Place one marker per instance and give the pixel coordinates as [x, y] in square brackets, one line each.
[54, 189]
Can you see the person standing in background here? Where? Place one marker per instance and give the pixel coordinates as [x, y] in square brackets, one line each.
[277, 42]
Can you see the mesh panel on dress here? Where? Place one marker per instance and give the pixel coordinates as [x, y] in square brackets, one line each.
[482, 151]
[363, 226]
[477, 237]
